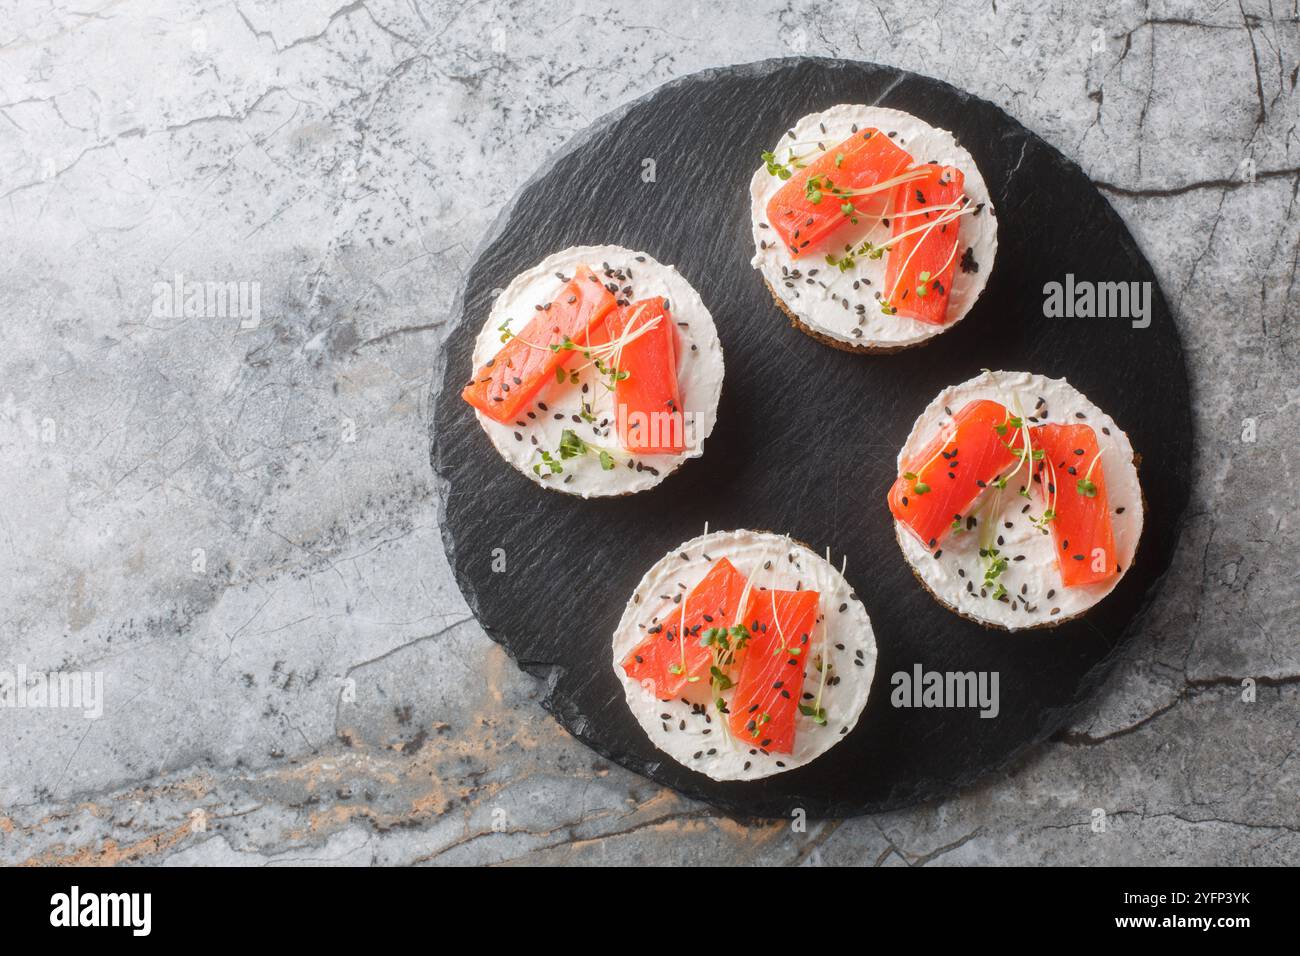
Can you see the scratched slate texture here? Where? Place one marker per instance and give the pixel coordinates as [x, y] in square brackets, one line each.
[310, 685]
[807, 436]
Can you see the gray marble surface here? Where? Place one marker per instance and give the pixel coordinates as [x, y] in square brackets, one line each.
[228, 517]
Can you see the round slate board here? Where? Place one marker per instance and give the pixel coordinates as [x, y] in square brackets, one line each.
[807, 435]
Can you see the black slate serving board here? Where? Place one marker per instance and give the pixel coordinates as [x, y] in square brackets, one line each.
[807, 435]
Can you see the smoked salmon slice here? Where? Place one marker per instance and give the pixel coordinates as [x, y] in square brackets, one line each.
[919, 270]
[671, 662]
[511, 379]
[931, 496]
[766, 701]
[647, 394]
[817, 200]
[1073, 484]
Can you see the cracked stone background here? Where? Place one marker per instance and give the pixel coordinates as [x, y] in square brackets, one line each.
[290, 674]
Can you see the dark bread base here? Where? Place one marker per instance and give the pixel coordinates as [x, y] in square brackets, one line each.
[833, 342]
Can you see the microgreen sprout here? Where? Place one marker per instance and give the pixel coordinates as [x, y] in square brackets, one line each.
[869, 250]
[1085, 485]
[995, 562]
[776, 168]
[839, 192]
[818, 714]
[951, 213]
[1025, 452]
[725, 643]
[1049, 513]
[571, 446]
[780, 633]
[548, 461]
[815, 710]
[920, 487]
[923, 287]
[782, 170]
[604, 358]
[812, 188]
[816, 187]
[851, 255]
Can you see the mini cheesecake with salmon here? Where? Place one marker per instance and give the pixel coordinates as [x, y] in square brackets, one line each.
[598, 372]
[873, 230]
[1017, 501]
[744, 654]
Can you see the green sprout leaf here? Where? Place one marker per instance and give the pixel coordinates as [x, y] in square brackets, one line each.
[818, 714]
